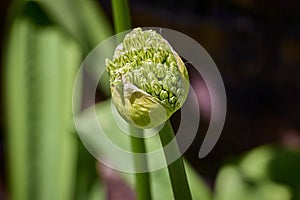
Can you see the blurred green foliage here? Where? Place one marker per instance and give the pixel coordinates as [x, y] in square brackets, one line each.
[267, 172]
[45, 44]
[161, 185]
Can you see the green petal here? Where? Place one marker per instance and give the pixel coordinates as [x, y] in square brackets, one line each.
[139, 108]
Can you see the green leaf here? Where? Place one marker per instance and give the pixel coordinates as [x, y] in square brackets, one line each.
[83, 19]
[97, 192]
[88, 183]
[40, 69]
[254, 165]
[232, 185]
[161, 186]
[273, 163]
[15, 108]
[267, 172]
[40, 65]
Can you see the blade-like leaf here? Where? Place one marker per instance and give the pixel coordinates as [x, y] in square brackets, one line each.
[40, 68]
[232, 185]
[16, 112]
[83, 19]
[161, 186]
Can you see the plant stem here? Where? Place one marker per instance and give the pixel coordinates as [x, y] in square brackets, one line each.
[121, 15]
[176, 169]
[122, 22]
[142, 180]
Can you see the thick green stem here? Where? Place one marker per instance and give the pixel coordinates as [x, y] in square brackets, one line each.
[142, 180]
[121, 15]
[176, 169]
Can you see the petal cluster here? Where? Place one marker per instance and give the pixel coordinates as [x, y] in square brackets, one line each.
[146, 62]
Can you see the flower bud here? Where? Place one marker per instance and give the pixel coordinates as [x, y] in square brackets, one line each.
[148, 80]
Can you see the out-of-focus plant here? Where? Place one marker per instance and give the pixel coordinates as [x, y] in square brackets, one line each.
[46, 42]
[161, 186]
[267, 172]
[40, 67]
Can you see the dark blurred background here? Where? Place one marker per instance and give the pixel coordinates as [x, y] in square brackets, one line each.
[256, 46]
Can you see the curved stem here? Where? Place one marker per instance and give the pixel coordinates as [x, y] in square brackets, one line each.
[142, 180]
[176, 169]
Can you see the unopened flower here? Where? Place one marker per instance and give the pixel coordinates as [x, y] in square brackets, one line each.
[148, 80]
